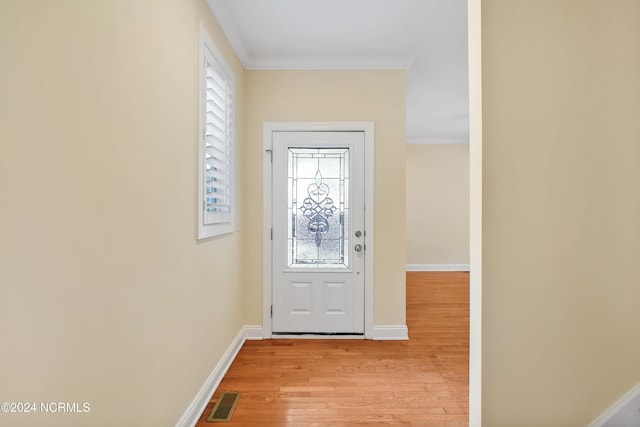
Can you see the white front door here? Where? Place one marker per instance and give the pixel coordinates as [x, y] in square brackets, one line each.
[318, 232]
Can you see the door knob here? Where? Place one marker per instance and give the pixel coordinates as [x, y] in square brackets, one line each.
[358, 248]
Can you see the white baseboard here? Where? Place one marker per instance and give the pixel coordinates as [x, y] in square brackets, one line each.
[390, 332]
[438, 267]
[623, 413]
[253, 332]
[193, 412]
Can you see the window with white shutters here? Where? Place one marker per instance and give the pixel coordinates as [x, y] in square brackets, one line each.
[216, 162]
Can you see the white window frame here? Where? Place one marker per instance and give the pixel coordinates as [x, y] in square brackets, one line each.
[221, 222]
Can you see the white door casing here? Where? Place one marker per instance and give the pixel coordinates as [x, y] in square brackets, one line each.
[318, 293]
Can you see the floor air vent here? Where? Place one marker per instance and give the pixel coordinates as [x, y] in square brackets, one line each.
[223, 409]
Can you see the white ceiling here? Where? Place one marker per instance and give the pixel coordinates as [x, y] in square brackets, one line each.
[428, 38]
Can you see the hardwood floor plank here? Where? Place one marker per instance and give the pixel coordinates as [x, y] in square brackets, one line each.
[419, 382]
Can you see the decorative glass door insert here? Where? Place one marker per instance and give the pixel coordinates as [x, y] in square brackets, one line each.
[318, 207]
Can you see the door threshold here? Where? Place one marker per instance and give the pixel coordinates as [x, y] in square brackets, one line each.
[318, 335]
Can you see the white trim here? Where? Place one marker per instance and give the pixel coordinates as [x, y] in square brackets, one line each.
[224, 18]
[369, 201]
[438, 267]
[220, 11]
[474, 37]
[267, 192]
[192, 414]
[390, 332]
[438, 141]
[253, 332]
[330, 63]
[618, 407]
[267, 206]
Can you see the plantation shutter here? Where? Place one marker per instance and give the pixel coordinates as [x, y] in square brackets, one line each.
[218, 129]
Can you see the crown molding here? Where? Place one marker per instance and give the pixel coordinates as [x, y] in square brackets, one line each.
[330, 63]
[228, 25]
[622, 413]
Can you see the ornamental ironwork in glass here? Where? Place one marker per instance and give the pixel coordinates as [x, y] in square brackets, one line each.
[318, 207]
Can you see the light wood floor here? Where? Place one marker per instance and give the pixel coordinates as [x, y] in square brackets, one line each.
[419, 382]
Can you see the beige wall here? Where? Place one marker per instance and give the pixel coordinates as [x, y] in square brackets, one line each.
[107, 298]
[438, 204]
[561, 234]
[377, 96]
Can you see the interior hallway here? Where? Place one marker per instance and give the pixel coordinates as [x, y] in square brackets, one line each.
[422, 381]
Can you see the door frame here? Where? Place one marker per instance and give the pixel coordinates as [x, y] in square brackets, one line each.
[267, 206]
[474, 37]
